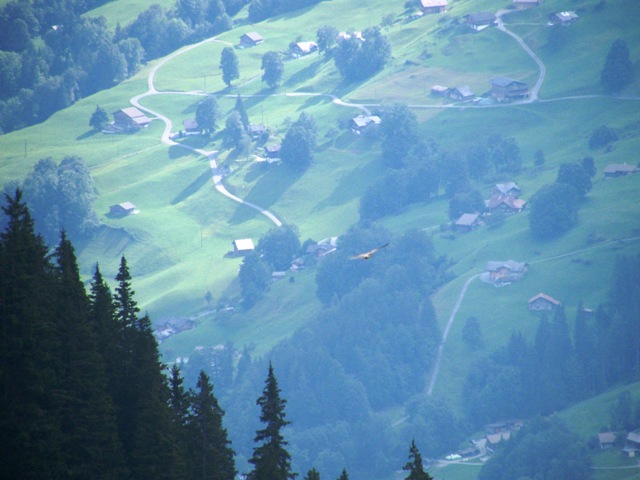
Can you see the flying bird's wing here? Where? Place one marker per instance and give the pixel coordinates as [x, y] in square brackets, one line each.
[367, 255]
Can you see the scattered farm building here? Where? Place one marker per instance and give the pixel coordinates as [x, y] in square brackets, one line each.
[606, 440]
[130, 119]
[509, 188]
[615, 170]
[190, 125]
[123, 209]
[563, 18]
[500, 272]
[279, 275]
[505, 204]
[242, 246]
[494, 439]
[523, 4]
[542, 301]
[632, 445]
[251, 39]
[506, 89]
[439, 91]
[272, 151]
[256, 130]
[348, 35]
[433, 6]
[361, 122]
[467, 222]
[481, 20]
[461, 94]
[304, 48]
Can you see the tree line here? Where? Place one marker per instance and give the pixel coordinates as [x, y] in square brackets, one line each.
[85, 392]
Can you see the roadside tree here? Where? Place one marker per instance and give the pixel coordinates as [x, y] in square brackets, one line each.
[229, 65]
[207, 114]
[617, 72]
[300, 142]
[273, 68]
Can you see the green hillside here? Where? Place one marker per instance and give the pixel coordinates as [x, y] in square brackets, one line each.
[176, 245]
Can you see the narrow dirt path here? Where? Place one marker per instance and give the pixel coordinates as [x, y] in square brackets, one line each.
[166, 135]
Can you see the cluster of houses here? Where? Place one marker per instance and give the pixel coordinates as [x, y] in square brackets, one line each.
[503, 89]
[504, 200]
[630, 444]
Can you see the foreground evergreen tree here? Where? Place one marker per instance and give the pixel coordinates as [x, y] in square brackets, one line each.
[30, 433]
[91, 445]
[414, 465]
[211, 456]
[270, 459]
[312, 474]
[343, 475]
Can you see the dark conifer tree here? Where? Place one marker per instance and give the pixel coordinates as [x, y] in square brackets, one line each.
[270, 459]
[30, 433]
[343, 475]
[180, 404]
[211, 456]
[312, 474]
[91, 445]
[239, 107]
[414, 465]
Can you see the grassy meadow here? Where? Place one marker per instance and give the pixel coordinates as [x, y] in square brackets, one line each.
[176, 245]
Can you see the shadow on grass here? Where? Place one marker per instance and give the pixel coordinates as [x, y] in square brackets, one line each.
[266, 192]
[349, 187]
[87, 134]
[192, 188]
[178, 151]
[301, 76]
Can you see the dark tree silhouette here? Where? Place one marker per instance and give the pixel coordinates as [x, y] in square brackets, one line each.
[229, 65]
[270, 459]
[617, 72]
[414, 465]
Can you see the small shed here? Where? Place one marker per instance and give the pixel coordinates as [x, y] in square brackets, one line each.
[467, 222]
[507, 89]
[123, 209]
[304, 48]
[508, 188]
[433, 6]
[505, 271]
[273, 151]
[615, 170]
[461, 94]
[130, 118]
[251, 39]
[563, 18]
[256, 130]
[190, 125]
[481, 20]
[242, 246]
[361, 122]
[439, 91]
[606, 440]
[542, 301]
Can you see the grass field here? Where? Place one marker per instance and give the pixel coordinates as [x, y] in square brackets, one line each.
[176, 245]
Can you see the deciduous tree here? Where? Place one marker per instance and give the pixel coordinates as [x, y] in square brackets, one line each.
[229, 65]
[273, 68]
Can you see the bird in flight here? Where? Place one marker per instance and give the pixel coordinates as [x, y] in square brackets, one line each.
[367, 255]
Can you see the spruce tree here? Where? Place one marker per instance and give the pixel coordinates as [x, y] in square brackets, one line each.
[91, 445]
[239, 107]
[414, 465]
[229, 65]
[211, 456]
[270, 459]
[617, 72]
[312, 474]
[343, 475]
[30, 432]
